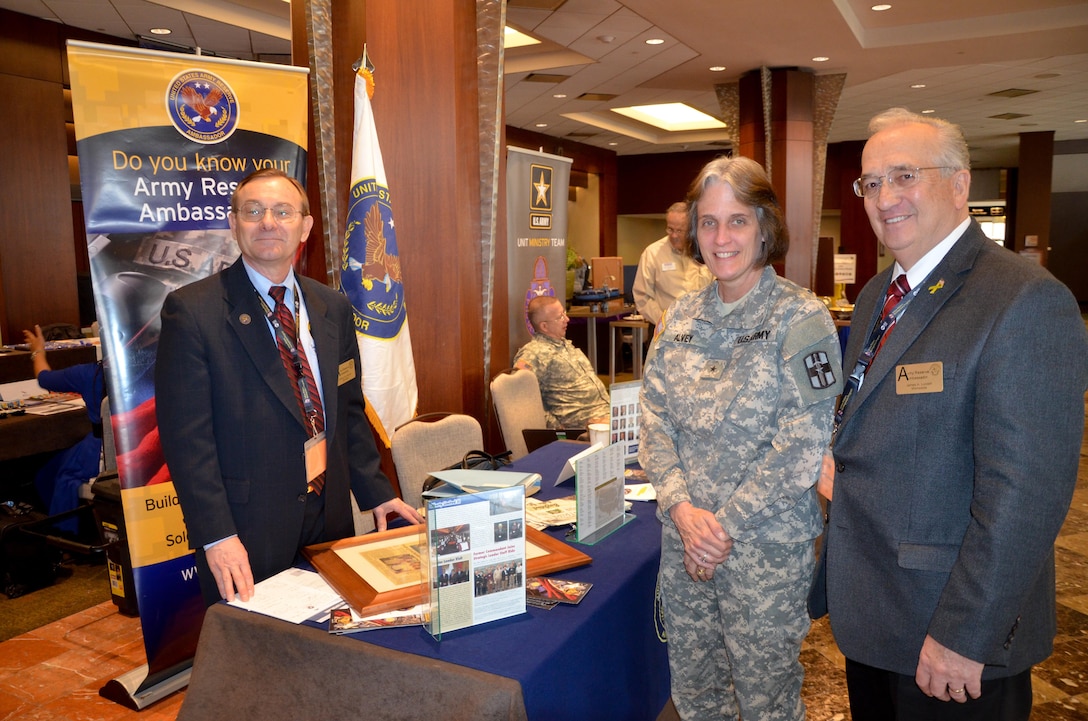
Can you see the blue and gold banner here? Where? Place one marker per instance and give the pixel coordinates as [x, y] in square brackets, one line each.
[163, 139]
[371, 279]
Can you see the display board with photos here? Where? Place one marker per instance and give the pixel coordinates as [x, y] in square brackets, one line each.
[390, 570]
[624, 402]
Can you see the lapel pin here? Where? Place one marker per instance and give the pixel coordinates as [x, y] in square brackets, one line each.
[244, 319]
[936, 286]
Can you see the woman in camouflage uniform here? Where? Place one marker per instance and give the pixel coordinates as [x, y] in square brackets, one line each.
[737, 406]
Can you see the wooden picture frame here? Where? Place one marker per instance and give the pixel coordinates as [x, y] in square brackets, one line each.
[366, 600]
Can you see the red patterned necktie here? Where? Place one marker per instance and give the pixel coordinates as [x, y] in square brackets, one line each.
[287, 322]
[898, 288]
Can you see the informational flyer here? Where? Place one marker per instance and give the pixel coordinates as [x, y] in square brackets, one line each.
[624, 397]
[599, 493]
[476, 558]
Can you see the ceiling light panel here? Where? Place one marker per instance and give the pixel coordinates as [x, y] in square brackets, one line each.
[673, 117]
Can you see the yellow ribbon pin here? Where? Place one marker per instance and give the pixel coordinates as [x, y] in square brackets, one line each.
[936, 286]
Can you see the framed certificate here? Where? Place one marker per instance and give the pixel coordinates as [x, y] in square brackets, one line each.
[382, 572]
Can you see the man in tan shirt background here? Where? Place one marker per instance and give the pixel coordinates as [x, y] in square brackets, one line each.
[665, 270]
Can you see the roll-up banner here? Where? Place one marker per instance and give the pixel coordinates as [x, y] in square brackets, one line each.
[536, 217]
[163, 139]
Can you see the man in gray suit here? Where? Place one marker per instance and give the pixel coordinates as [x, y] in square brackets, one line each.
[260, 472]
[955, 452]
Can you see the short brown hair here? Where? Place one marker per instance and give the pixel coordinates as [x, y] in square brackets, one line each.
[270, 173]
[752, 187]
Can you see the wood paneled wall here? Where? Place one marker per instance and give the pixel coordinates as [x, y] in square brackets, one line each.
[425, 108]
[37, 265]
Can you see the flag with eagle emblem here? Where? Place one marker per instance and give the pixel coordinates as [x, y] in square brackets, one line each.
[370, 277]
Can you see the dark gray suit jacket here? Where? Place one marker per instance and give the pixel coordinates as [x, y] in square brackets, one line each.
[232, 431]
[947, 504]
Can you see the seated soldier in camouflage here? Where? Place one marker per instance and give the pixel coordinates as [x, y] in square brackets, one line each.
[573, 395]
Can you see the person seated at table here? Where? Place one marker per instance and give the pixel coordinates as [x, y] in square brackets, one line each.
[58, 481]
[572, 393]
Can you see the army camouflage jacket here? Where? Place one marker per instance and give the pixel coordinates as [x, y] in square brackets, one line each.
[737, 409]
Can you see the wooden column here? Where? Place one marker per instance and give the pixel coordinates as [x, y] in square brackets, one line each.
[425, 108]
[37, 264]
[856, 232]
[790, 153]
[1032, 194]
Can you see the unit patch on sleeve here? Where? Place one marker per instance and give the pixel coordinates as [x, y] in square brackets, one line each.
[820, 372]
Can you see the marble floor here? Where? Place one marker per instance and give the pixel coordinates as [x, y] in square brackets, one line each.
[54, 672]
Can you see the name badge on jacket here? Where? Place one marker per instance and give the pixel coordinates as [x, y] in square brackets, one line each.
[345, 373]
[914, 378]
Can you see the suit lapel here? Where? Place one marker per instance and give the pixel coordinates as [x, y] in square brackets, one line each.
[941, 285]
[246, 317]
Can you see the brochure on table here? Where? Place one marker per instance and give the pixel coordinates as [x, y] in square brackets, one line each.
[624, 402]
[599, 494]
[456, 481]
[475, 570]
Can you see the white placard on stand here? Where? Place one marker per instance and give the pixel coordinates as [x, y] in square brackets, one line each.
[599, 494]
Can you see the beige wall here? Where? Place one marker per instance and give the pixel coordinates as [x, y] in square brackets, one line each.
[583, 219]
[635, 232]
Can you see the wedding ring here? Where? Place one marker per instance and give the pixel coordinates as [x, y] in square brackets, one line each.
[704, 558]
[699, 573]
[955, 690]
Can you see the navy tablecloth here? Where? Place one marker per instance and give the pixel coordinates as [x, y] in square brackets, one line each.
[600, 659]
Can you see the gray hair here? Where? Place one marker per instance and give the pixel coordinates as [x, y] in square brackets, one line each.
[952, 149]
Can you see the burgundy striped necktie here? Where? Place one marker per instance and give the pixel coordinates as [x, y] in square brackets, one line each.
[898, 288]
[287, 321]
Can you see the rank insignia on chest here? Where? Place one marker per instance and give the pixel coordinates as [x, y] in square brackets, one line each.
[713, 370]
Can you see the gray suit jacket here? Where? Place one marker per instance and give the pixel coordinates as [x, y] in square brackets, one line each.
[947, 503]
[231, 428]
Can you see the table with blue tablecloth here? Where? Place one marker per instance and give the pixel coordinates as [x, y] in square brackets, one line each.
[600, 659]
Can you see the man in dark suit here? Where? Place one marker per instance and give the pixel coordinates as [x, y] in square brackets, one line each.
[955, 458]
[263, 464]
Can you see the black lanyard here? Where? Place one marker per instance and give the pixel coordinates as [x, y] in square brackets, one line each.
[868, 353]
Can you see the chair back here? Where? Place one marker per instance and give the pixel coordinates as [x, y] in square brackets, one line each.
[431, 442]
[518, 405]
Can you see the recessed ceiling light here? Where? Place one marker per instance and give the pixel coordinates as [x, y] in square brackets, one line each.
[613, 142]
[560, 95]
[161, 31]
[881, 8]
[1083, 120]
[542, 125]
[820, 59]
[673, 117]
[655, 41]
[918, 86]
[927, 112]
[716, 68]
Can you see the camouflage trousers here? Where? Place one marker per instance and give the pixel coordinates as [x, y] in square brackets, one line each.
[735, 641]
